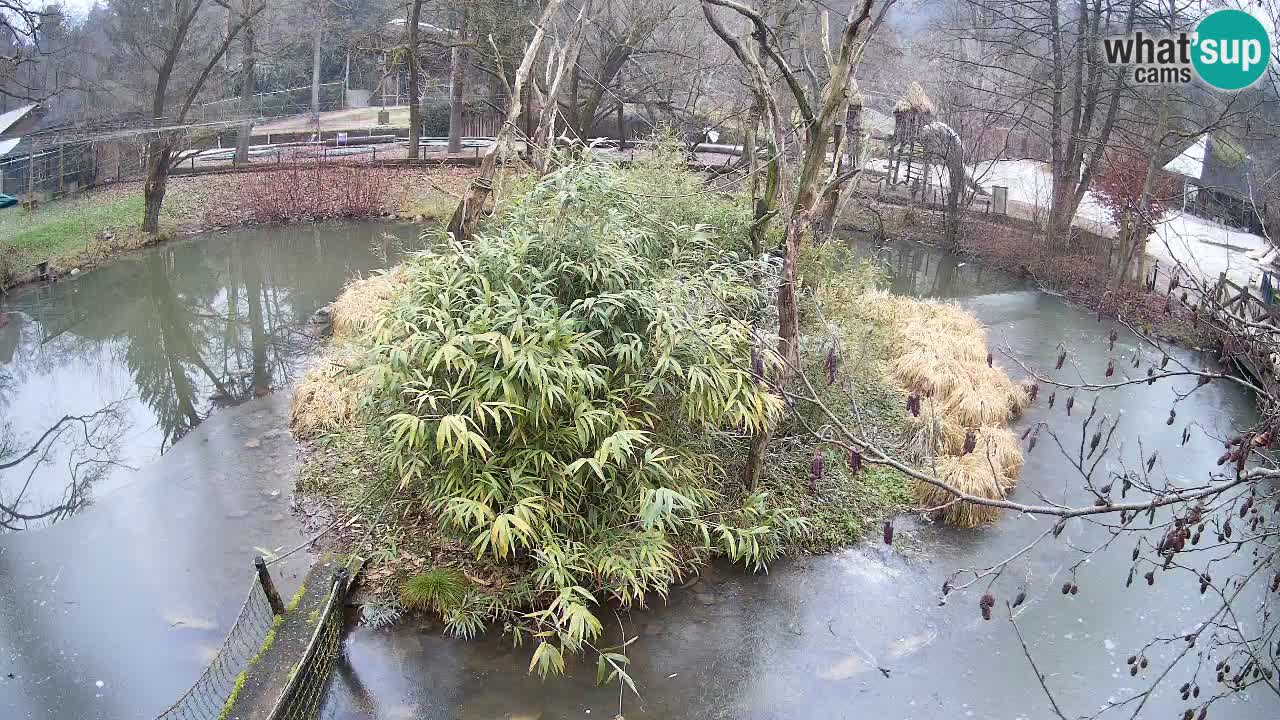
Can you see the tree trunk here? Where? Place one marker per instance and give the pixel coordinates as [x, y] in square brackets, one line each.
[415, 103]
[475, 202]
[825, 221]
[316, 39]
[955, 192]
[153, 190]
[248, 73]
[457, 87]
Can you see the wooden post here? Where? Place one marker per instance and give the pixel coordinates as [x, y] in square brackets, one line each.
[268, 587]
[61, 167]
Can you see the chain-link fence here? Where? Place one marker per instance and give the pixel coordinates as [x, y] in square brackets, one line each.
[208, 696]
[303, 697]
[276, 103]
[46, 170]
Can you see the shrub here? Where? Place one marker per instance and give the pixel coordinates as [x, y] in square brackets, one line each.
[437, 589]
[313, 191]
[1119, 189]
[557, 389]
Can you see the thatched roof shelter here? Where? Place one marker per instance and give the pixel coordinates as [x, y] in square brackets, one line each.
[914, 100]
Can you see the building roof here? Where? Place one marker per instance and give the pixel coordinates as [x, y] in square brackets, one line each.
[914, 100]
[12, 117]
[8, 145]
[1190, 162]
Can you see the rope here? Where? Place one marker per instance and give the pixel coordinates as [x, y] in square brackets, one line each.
[350, 519]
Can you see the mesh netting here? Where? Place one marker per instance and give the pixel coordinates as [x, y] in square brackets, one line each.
[206, 698]
[304, 695]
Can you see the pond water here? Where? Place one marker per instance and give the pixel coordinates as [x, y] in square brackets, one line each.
[148, 347]
[114, 612]
[861, 633]
[174, 334]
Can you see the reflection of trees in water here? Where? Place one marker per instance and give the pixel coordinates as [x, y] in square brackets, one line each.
[196, 325]
[221, 341]
[88, 444]
[920, 270]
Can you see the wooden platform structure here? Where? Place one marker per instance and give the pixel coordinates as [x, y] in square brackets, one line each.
[1251, 318]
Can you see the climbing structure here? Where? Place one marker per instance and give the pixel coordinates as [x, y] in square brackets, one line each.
[907, 161]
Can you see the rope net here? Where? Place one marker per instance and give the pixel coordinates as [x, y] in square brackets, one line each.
[304, 695]
[207, 697]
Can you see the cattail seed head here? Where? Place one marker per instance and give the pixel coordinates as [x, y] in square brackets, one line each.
[817, 467]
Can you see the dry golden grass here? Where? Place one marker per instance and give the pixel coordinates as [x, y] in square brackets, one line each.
[940, 352]
[1001, 448]
[327, 397]
[974, 474]
[325, 400]
[355, 310]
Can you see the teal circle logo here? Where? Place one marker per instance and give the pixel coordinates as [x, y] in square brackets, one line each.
[1232, 50]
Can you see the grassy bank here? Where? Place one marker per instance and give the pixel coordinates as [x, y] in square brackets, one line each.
[77, 233]
[88, 230]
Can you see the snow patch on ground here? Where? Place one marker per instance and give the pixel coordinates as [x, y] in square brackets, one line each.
[1201, 245]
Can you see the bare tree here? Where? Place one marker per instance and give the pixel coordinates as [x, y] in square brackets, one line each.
[617, 34]
[475, 202]
[457, 91]
[22, 47]
[817, 116]
[413, 25]
[161, 43]
[248, 74]
[1041, 62]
